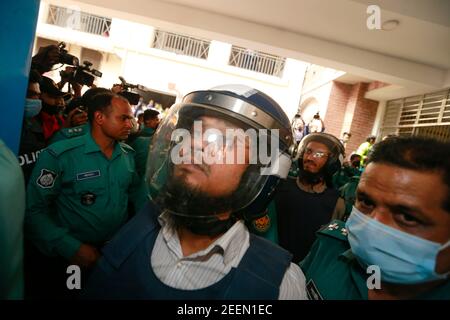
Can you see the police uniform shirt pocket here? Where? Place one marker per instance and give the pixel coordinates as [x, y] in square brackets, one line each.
[90, 187]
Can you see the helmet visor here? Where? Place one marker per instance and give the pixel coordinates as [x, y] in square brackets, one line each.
[203, 161]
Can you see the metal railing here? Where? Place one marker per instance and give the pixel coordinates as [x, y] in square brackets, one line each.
[181, 44]
[80, 21]
[257, 61]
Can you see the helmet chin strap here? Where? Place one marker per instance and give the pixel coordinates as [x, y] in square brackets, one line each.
[205, 226]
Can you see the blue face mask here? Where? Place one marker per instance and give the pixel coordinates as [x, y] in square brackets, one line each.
[402, 257]
[32, 107]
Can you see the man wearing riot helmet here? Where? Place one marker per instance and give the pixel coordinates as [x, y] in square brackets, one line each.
[204, 181]
[303, 205]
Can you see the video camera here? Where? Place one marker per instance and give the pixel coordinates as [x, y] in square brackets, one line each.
[132, 97]
[65, 57]
[83, 75]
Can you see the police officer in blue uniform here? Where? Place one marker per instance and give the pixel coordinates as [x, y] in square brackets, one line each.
[190, 241]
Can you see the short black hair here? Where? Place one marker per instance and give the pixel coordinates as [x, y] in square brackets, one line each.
[415, 153]
[90, 94]
[101, 102]
[371, 138]
[354, 155]
[150, 114]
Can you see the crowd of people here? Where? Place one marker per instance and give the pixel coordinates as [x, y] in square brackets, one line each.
[178, 208]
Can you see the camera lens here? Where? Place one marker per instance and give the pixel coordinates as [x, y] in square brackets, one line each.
[69, 59]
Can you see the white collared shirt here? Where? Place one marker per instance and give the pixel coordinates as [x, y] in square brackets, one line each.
[206, 267]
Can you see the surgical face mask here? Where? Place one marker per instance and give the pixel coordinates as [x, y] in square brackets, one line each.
[32, 107]
[403, 258]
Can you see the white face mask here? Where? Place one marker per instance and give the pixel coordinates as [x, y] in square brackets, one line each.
[402, 257]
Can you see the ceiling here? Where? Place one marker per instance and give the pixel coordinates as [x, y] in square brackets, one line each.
[332, 33]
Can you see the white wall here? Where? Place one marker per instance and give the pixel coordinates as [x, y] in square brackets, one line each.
[320, 93]
[127, 52]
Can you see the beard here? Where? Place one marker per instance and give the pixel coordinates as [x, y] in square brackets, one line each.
[309, 177]
[194, 209]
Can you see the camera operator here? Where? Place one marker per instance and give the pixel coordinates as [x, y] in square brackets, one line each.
[74, 74]
[79, 76]
[67, 77]
[50, 55]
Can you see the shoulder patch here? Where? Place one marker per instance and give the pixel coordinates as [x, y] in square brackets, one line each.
[262, 224]
[73, 132]
[46, 179]
[335, 229]
[60, 147]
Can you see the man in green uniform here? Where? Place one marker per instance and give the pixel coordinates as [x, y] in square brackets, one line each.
[12, 209]
[395, 244]
[77, 108]
[141, 142]
[347, 171]
[78, 193]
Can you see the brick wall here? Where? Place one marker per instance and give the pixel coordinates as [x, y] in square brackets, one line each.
[363, 118]
[349, 111]
[337, 105]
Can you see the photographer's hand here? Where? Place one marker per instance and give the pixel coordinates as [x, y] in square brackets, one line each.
[76, 89]
[117, 88]
[46, 57]
[75, 118]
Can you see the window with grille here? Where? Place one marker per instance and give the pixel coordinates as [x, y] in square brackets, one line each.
[80, 21]
[181, 44]
[257, 61]
[424, 115]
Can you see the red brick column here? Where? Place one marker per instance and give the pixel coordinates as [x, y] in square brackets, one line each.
[347, 108]
[364, 115]
[337, 105]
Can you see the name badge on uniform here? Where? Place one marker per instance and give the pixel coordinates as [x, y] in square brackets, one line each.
[312, 291]
[88, 175]
[88, 199]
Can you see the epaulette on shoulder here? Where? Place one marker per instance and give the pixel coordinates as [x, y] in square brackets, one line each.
[73, 132]
[58, 148]
[335, 229]
[126, 147]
